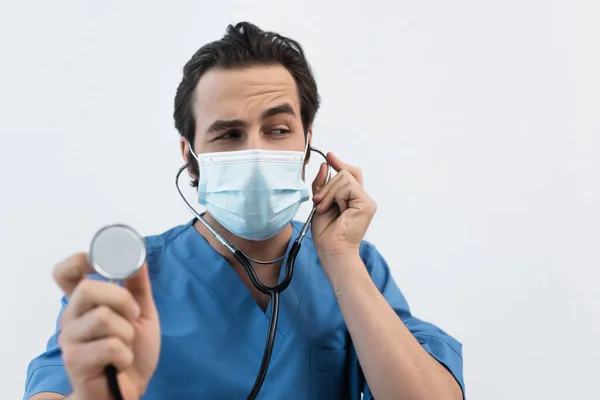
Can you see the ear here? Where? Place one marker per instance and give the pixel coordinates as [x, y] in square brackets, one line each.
[309, 138]
[184, 149]
[187, 157]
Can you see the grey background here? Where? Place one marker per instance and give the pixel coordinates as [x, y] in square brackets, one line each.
[476, 125]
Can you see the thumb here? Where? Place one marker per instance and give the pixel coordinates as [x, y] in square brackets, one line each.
[139, 287]
[319, 181]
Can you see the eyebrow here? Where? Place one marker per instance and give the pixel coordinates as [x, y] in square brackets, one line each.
[284, 108]
[222, 125]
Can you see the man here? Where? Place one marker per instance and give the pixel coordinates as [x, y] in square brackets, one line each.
[245, 103]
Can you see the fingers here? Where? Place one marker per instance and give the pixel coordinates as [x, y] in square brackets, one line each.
[90, 294]
[319, 181]
[140, 288]
[98, 327]
[318, 196]
[100, 323]
[319, 186]
[89, 359]
[332, 192]
[338, 166]
[71, 271]
[343, 189]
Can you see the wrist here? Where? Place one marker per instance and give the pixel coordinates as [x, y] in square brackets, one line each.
[332, 260]
[344, 268]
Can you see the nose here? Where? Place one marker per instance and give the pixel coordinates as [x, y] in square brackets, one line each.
[256, 140]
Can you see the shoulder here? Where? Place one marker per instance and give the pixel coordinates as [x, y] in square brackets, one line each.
[168, 248]
[157, 241]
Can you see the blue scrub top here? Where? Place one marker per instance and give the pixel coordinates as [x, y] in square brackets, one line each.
[213, 332]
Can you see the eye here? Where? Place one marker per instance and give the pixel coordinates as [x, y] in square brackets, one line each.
[232, 134]
[280, 131]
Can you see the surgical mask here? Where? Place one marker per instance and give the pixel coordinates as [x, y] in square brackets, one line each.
[254, 193]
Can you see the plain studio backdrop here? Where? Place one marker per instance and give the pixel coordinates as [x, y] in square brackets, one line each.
[475, 123]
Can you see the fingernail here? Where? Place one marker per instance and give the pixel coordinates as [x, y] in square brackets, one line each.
[136, 310]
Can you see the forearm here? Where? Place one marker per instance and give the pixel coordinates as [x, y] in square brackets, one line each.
[50, 396]
[394, 363]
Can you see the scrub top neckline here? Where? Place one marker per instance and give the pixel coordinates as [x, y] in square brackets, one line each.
[220, 277]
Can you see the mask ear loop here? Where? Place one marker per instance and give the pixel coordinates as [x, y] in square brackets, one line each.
[212, 230]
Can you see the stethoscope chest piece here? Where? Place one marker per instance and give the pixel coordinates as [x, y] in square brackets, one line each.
[117, 252]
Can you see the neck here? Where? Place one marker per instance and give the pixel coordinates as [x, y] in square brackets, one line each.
[265, 250]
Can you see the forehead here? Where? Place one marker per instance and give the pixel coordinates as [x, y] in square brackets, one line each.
[243, 93]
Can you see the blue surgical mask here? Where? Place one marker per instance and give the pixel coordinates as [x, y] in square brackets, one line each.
[255, 193]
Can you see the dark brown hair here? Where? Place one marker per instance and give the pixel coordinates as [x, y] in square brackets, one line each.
[244, 45]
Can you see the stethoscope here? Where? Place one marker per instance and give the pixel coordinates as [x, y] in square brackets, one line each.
[117, 252]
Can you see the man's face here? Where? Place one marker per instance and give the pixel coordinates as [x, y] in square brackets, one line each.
[251, 108]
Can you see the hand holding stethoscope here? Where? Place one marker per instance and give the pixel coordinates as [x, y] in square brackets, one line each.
[343, 213]
[108, 325]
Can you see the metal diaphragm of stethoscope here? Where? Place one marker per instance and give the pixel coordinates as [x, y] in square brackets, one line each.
[118, 252]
